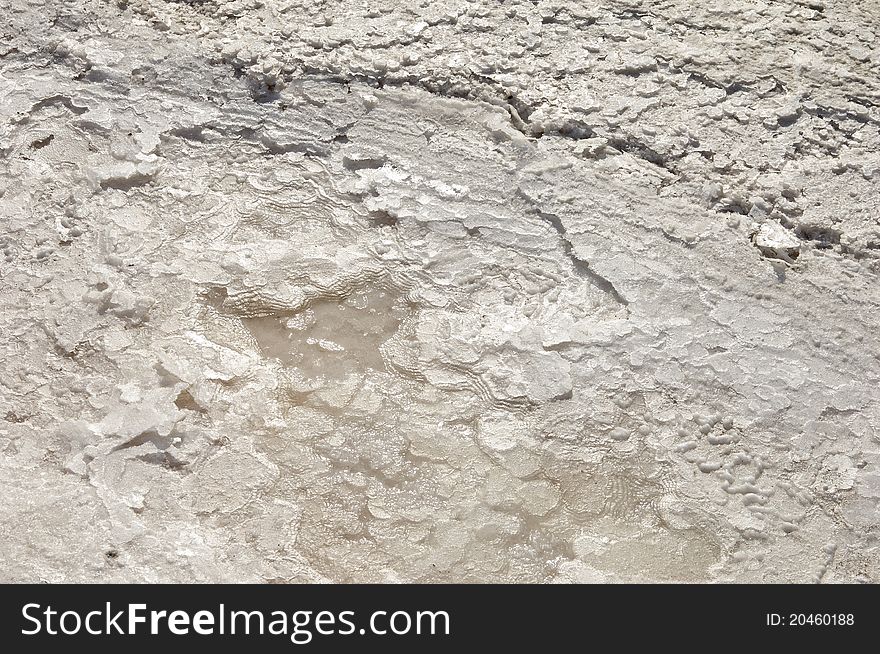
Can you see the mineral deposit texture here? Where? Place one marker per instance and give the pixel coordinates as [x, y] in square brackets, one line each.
[473, 291]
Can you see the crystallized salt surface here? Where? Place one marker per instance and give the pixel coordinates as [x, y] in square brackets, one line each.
[470, 291]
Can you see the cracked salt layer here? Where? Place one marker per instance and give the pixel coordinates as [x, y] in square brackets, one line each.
[523, 292]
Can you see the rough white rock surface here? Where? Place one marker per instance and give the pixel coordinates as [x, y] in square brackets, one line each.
[440, 291]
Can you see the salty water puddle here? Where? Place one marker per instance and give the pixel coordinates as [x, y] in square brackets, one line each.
[332, 337]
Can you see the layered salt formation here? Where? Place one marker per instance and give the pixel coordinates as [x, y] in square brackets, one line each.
[465, 291]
